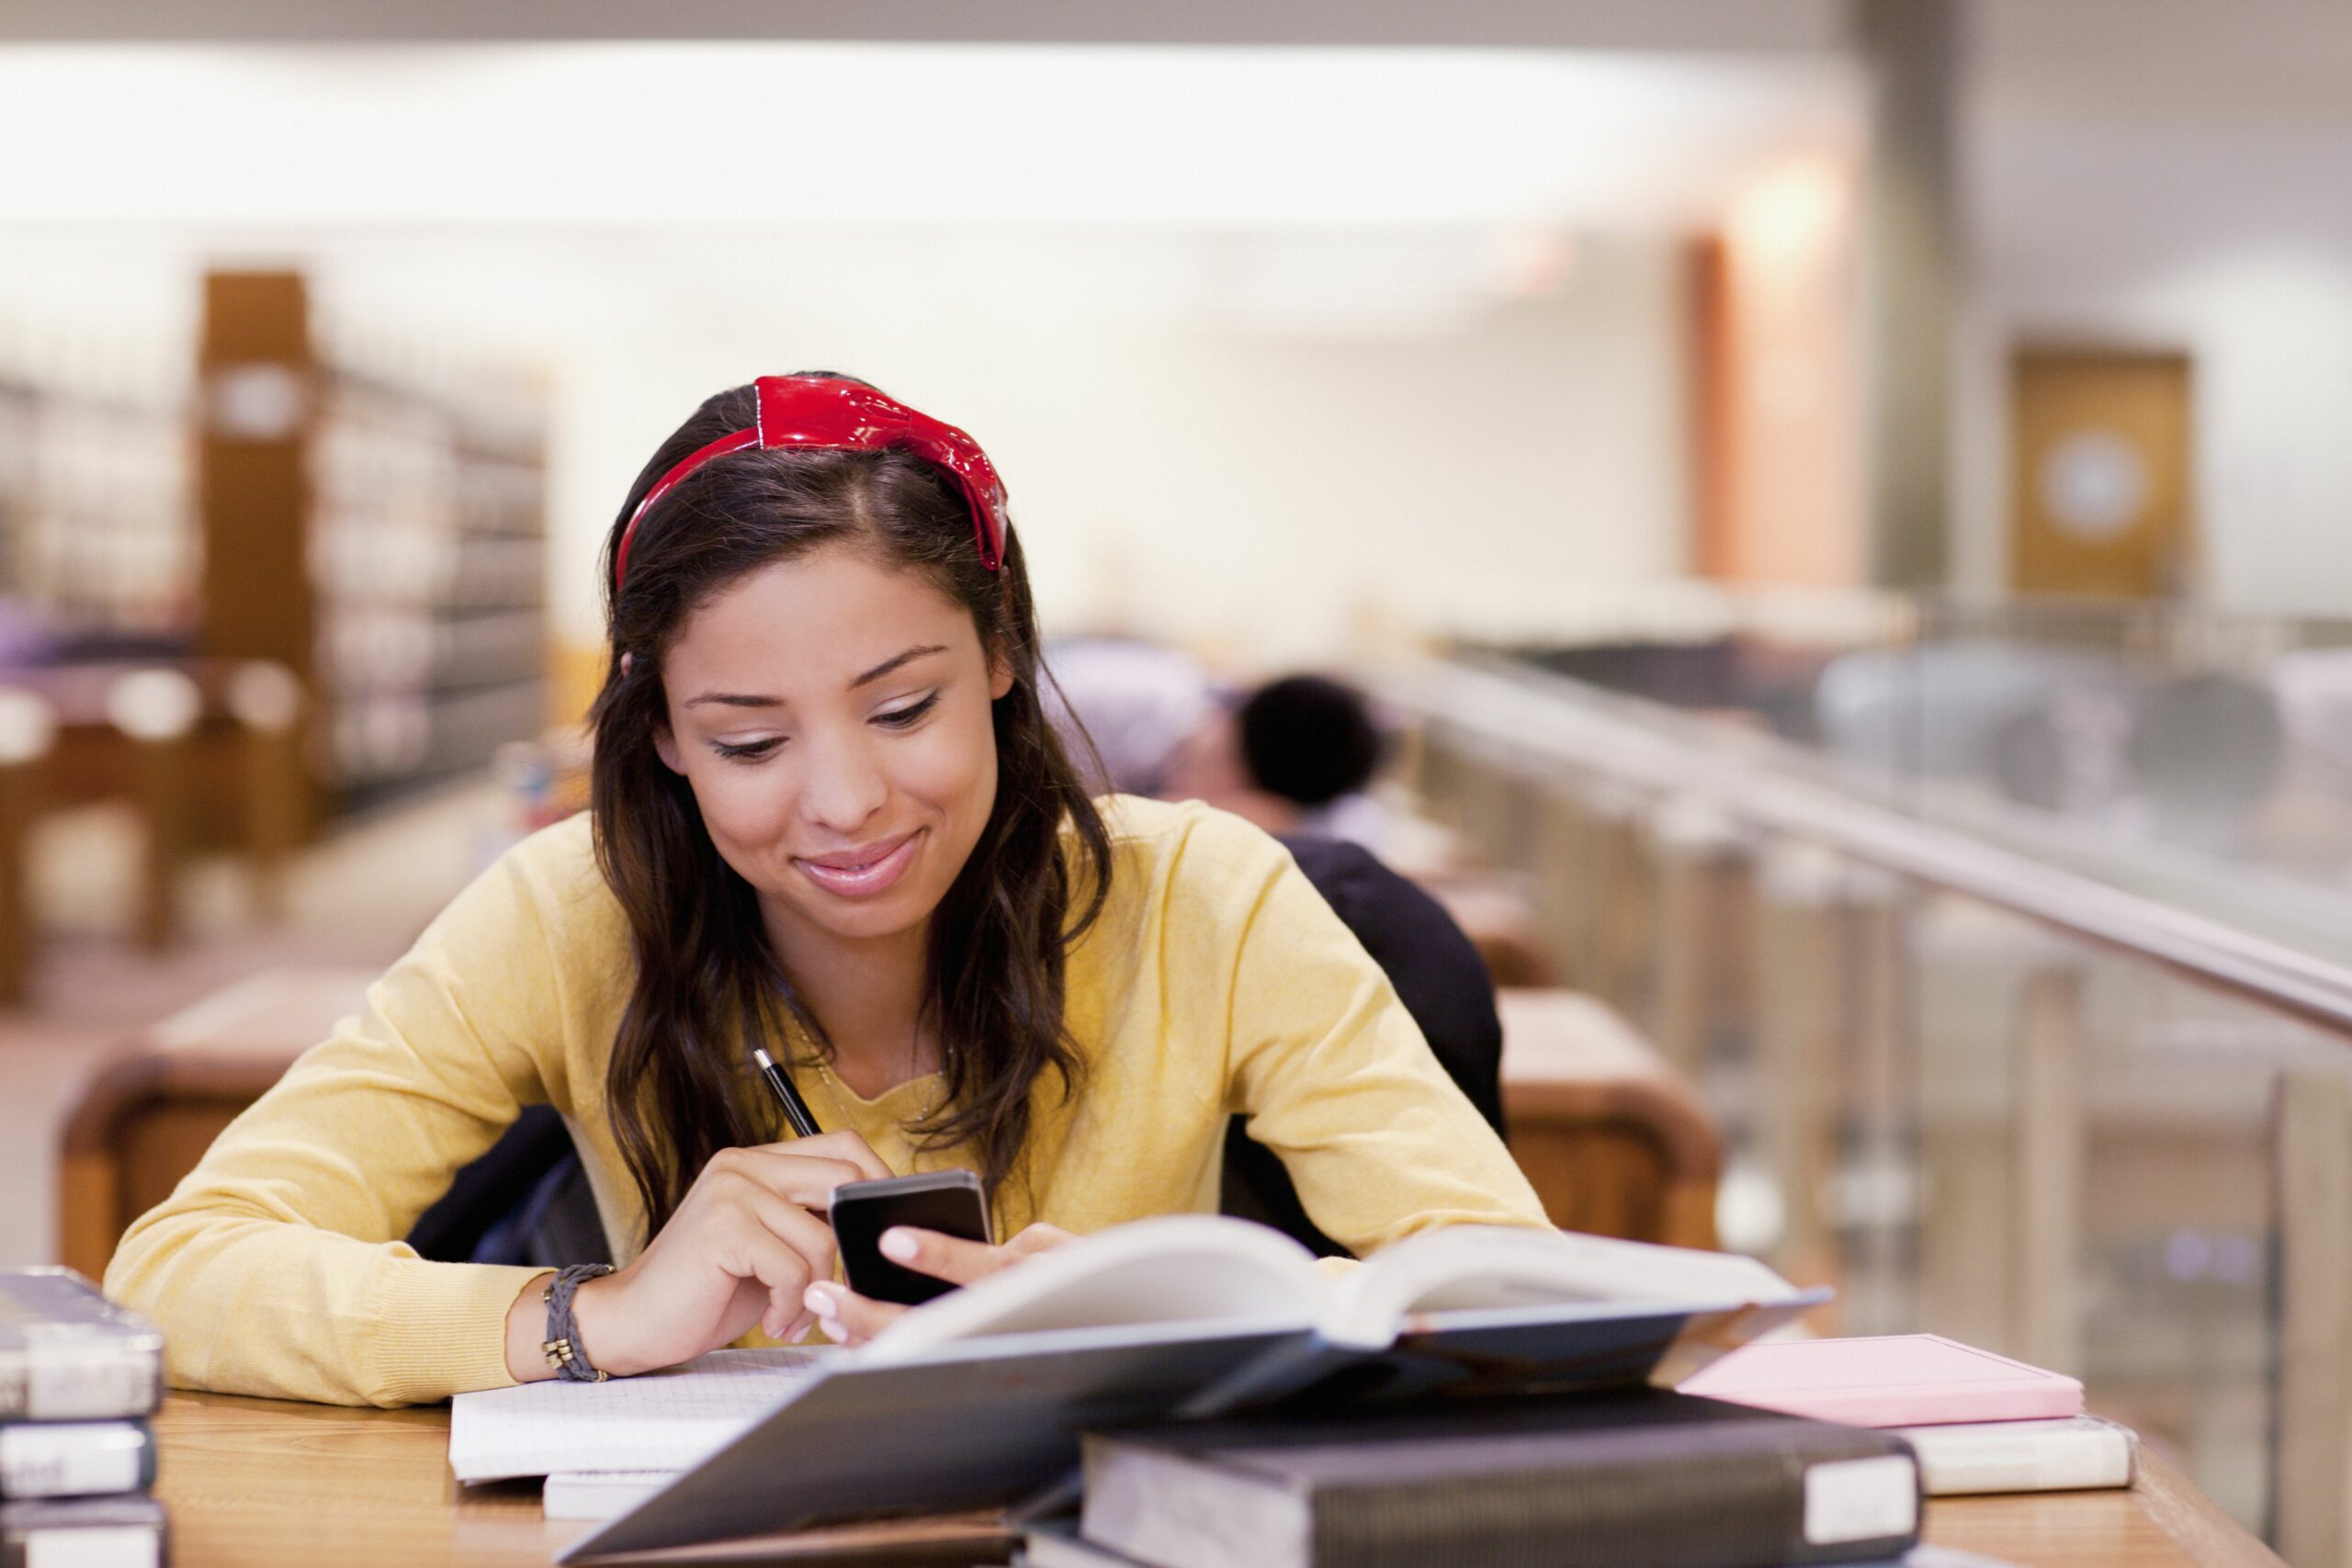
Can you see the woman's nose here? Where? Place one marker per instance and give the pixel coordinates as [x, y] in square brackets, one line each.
[842, 788]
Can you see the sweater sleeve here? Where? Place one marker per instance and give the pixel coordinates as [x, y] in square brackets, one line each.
[278, 1266]
[1330, 1069]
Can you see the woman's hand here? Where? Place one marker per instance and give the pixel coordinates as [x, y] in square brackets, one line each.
[844, 1316]
[742, 1250]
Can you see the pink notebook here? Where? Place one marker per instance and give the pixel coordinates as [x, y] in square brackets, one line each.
[1903, 1379]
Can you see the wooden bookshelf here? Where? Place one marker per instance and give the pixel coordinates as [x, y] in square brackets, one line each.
[383, 537]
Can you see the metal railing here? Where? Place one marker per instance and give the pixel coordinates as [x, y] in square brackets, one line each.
[1981, 1088]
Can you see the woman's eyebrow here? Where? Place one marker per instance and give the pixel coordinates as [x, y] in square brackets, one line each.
[733, 700]
[746, 700]
[892, 663]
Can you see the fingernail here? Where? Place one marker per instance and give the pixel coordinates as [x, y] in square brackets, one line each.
[821, 1300]
[899, 1246]
[832, 1330]
[793, 1332]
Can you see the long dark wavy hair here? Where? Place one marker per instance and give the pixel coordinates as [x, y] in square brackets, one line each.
[708, 987]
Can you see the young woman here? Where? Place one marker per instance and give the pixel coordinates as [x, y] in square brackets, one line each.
[828, 816]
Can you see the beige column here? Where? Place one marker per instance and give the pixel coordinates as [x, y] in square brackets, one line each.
[2312, 1484]
[2048, 1134]
[1802, 979]
[1704, 903]
[1911, 283]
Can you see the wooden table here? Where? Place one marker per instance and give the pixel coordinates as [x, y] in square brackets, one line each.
[260, 1484]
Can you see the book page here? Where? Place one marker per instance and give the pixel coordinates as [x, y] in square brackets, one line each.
[661, 1421]
[1498, 1268]
[1175, 1269]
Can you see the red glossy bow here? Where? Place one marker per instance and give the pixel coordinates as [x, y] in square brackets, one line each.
[827, 412]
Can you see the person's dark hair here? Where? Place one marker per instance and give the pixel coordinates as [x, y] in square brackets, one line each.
[1309, 738]
[707, 987]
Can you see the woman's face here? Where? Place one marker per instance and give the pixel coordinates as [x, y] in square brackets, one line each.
[831, 716]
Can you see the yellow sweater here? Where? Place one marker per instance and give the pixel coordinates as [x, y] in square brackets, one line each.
[1217, 982]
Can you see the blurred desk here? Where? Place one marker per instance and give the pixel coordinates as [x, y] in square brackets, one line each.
[152, 1111]
[260, 1484]
[1613, 1138]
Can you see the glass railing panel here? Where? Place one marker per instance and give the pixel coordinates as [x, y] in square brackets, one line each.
[2120, 1146]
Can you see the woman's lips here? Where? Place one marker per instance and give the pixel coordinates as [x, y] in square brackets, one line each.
[877, 874]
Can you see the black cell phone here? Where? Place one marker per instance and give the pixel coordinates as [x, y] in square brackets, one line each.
[948, 1201]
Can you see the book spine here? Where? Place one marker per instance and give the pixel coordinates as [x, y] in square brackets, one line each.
[64, 1376]
[1766, 1510]
[102, 1533]
[75, 1459]
[2071, 1461]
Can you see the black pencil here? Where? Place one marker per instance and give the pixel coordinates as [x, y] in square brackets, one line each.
[796, 1109]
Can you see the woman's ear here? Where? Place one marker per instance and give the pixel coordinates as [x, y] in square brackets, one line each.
[999, 676]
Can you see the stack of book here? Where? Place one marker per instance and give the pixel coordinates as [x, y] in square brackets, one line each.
[1470, 1395]
[1603, 1480]
[78, 1378]
[1978, 1422]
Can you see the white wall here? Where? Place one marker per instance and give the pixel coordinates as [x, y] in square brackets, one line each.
[1200, 476]
[2175, 175]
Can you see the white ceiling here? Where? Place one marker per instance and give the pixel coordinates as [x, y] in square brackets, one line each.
[753, 134]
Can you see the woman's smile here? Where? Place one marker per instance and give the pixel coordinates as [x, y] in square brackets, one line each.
[864, 872]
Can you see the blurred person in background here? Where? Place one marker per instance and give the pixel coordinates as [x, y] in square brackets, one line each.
[1296, 757]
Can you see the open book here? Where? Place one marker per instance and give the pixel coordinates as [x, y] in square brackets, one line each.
[976, 1399]
[1194, 1269]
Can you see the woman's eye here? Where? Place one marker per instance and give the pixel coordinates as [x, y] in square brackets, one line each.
[749, 751]
[901, 718]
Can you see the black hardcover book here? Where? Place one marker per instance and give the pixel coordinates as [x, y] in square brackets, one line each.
[1619, 1481]
[87, 1532]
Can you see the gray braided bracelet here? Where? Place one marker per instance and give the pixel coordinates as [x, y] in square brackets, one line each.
[564, 1352]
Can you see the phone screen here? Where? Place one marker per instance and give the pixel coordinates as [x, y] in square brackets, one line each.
[948, 1201]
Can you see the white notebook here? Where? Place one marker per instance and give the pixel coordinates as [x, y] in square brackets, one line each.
[600, 1494]
[663, 1421]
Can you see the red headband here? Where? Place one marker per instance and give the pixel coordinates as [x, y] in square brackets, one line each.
[827, 412]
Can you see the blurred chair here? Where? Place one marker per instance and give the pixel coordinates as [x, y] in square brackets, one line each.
[1614, 1140]
[151, 1111]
